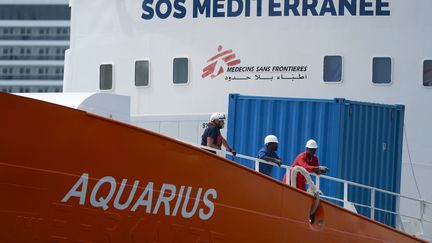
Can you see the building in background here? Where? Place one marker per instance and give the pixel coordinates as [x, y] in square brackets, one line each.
[34, 35]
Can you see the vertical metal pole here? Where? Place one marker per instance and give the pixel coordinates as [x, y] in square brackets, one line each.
[257, 165]
[317, 182]
[372, 216]
[345, 195]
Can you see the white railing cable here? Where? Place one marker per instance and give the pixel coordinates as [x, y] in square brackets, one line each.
[376, 208]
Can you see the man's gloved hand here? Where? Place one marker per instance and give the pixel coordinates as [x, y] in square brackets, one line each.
[323, 169]
[278, 162]
[234, 153]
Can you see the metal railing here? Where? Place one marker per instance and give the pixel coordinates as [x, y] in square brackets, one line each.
[422, 204]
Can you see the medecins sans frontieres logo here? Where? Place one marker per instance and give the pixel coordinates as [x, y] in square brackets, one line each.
[218, 63]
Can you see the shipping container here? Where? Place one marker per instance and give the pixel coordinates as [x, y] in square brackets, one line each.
[358, 141]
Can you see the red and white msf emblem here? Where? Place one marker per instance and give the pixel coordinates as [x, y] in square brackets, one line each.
[216, 67]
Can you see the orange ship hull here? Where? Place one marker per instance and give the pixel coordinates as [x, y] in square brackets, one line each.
[67, 175]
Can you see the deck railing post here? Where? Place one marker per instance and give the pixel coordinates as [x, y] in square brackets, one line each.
[288, 176]
[422, 210]
[257, 165]
[399, 224]
[372, 216]
[345, 195]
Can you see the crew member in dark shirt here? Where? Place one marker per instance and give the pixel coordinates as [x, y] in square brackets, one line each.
[212, 136]
[268, 153]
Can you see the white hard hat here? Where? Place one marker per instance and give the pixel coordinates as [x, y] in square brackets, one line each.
[311, 144]
[217, 116]
[270, 139]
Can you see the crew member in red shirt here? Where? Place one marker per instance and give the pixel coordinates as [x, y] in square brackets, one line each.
[309, 161]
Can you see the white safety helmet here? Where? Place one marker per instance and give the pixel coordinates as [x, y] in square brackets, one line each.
[270, 139]
[312, 144]
[217, 116]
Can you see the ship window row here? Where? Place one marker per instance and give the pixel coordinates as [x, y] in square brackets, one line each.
[31, 72]
[142, 73]
[30, 89]
[332, 71]
[32, 52]
[34, 12]
[381, 70]
[34, 33]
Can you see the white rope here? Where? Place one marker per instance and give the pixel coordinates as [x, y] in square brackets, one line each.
[311, 186]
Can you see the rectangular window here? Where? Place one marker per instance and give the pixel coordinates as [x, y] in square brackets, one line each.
[105, 76]
[141, 73]
[332, 68]
[427, 73]
[180, 70]
[381, 70]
